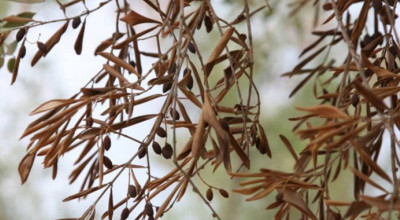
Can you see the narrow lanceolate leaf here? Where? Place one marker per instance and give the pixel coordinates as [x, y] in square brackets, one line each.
[18, 20]
[295, 199]
[119, 62]
[52, 104]
[371, 97]
[101, 163]
[25, 166]
[336, 203]
[368, 160]
[84, 193]
[198, 138]
[110, 205]
[167, 201]
[265, 192]
[90, 133]
[223, 42]
[264, 145]
[356, 208]
[21, 54]
[239, 151]
[79, 39]
[50, 43]
[291, 150]
[381, 72]
[112, 71]
[367, 179]
[89, 214]
[381, 203]
[361, 20]
[107, 43]
[132, 121]
[222, 135]
[325, 111]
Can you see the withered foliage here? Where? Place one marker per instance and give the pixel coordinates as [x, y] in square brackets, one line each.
[358, 117]
[355, 124]
[191, 83]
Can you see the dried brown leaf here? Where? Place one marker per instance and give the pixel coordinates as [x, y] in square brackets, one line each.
[134, 18]
[25, 166]
[79, 40]
[325, 111]
[295, 199]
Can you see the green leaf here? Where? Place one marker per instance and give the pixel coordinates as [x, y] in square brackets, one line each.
[2, 50]
[1, 61]
[17, 24]
[11, 48]
[11, 64]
